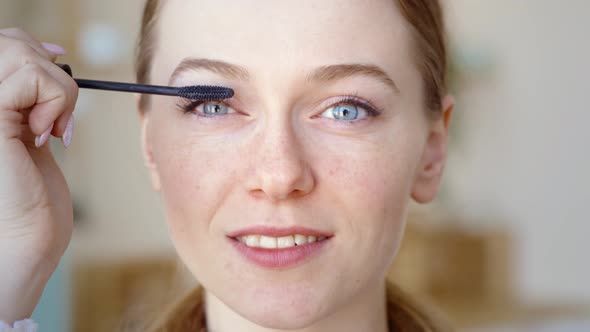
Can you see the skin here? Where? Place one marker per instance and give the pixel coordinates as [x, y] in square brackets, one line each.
[280, 160]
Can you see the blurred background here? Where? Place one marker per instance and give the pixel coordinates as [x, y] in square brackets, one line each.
[503, 248]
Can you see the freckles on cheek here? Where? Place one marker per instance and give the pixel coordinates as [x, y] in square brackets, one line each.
[373, 183]
[180, 177]
[195, 176]
[374, 191]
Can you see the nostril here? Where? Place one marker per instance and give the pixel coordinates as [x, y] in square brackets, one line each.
[258, 194]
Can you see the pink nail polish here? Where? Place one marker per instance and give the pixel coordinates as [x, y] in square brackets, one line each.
[40, 140]
[67, 136]
[53, 48]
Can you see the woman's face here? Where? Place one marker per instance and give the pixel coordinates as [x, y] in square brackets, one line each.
[326, 132]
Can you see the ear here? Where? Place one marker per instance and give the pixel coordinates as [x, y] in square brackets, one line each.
[148, 158]
[430, 170]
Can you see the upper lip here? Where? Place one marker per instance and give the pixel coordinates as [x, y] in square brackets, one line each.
[278, 231]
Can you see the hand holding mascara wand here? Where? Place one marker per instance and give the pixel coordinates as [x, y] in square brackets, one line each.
[35, 198]
[195, 92]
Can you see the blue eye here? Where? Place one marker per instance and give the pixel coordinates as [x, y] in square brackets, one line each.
[209, 109]
[346, 112]
[215, 108]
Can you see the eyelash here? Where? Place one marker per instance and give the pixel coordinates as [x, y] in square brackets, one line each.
[354, 99]
[187, 106]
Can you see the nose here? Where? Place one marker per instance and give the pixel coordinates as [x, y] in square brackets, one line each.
[280, 169]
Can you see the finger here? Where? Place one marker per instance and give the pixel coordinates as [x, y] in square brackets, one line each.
[15, 53]
[24, 132]
[18, 54]
[28, 138]
[71, 89]
[19, 34]
[54, 48]
[32, 86]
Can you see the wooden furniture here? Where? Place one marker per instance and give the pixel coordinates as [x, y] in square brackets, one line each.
[468, 275]
[110, 295]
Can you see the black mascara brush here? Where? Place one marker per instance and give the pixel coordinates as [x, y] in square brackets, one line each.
[194, 92]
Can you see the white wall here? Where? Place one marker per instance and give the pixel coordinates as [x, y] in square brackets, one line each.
[525, 157]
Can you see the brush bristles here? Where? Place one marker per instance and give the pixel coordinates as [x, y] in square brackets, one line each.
[205, 92]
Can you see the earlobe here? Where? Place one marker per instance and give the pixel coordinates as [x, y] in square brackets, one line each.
[148, 157]
[431, 167]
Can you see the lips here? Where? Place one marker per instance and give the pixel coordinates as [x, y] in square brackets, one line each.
[278, 231]
[272, 247]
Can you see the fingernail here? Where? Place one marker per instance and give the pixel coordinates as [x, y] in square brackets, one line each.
[40, 140]
[67, 136]
[53, 48]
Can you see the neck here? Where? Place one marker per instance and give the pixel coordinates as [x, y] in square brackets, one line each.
[366, 312]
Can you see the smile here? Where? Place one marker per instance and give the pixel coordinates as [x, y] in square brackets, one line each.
[274, 247]
[269, 242]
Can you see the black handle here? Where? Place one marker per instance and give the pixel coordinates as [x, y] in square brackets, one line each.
[66, 68]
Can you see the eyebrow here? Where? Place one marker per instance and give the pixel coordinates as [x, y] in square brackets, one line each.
[341, 71]
[320, 74]
[222, 68]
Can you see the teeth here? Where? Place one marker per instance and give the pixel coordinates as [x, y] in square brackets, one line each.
[269, 242]
[252, 240]
[300, 239]
[285, 242]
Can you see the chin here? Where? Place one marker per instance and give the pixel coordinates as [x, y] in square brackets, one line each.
[286, 308]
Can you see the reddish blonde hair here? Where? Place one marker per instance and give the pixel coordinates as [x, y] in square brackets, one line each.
[425, 20]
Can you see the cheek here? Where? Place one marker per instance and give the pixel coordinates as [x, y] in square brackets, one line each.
[194, 181]
[375, 181]
[195, 176]
[372, 187]
[378, 192]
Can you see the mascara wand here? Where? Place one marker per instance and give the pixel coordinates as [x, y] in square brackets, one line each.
[195, 92]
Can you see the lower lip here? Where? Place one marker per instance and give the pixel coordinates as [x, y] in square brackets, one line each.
[279, 258]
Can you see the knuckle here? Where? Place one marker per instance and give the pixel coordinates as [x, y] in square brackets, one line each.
[70, 88]
[74, 96]
[22, 49]
[33, 68]
[73, 88]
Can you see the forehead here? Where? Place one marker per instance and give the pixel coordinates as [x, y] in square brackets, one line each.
[282, 36]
